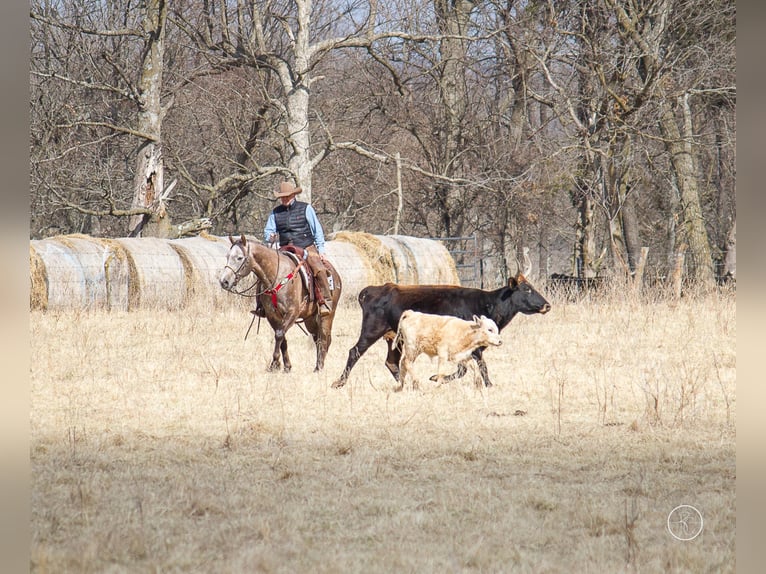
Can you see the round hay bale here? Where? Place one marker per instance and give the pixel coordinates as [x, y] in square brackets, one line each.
[378, 255]
[158, 276]
[429, 261]
[405, 264]
[74, 269]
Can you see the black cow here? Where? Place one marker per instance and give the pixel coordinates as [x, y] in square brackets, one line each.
[382, 305]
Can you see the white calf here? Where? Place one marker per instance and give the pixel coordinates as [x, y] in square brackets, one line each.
[448, 338]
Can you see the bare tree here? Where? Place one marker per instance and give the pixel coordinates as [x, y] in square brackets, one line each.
[664, 34]
[86, 49]
[148, 180]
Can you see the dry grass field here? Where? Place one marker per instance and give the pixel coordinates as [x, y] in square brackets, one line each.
[160, 443]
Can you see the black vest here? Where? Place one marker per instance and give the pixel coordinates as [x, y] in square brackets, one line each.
[292, 225]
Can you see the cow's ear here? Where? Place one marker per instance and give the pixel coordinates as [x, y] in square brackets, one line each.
[476, 321]
[244, 241]
[513, 282]
[231, 239]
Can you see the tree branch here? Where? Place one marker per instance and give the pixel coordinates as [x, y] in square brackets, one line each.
[91, 32]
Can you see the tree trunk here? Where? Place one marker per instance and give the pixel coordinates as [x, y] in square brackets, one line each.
[585, 246]
[453, 18]
[630, 228]
[693, 232]
[148, 178]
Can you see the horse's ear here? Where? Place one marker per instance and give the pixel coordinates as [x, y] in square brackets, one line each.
[231, 239]
[244, 241]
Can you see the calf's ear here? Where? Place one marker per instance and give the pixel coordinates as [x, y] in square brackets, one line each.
[513, 282]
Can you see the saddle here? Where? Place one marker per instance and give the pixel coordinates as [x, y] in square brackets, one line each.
[297, 254]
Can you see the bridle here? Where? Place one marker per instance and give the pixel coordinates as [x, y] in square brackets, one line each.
[238, 276]
[276, 284]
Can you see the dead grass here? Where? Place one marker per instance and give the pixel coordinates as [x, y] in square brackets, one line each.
[160, 443]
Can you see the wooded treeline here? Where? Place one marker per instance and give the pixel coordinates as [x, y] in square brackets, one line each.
[581, 130]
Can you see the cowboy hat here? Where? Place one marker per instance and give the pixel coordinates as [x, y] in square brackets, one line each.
[286, 188]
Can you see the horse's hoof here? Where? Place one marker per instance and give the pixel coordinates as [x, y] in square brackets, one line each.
[287, 369]
[338, 384]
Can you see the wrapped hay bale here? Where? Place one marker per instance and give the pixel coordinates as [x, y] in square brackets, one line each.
[81, 272]
[67, 272]
[159, 277]
[403, 259]
[427, 262]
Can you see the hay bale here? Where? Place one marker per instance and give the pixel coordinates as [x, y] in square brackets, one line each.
[74, 271]
[81, 272]
[378, 255]
[405, 262]
[428, 261]
[158, 276]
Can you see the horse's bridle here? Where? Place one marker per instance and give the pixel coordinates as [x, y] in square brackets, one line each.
[237, 275]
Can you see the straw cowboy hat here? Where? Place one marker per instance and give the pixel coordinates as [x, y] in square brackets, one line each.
[286, 188]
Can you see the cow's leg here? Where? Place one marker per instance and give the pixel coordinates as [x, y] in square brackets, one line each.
[393, 358]
[440, 361]
[404, 373]
[477, 355]
[365, 342]
[460, 372]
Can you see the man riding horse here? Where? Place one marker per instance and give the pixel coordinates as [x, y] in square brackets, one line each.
[294, 222]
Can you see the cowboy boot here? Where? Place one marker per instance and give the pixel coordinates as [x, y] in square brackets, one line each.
[324, 295]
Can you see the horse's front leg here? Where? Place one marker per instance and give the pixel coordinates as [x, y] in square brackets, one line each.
[280, 349]
[280, 341]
